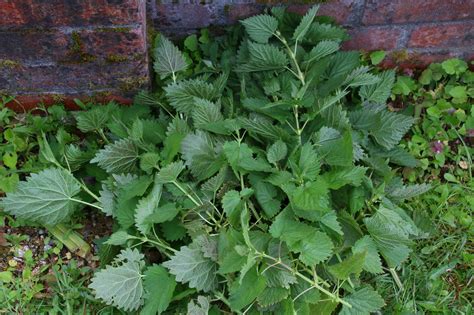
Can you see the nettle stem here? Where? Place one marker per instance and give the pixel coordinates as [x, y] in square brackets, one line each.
[71, 239]
[292, 55]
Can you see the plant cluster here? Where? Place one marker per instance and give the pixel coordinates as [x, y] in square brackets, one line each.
[257, 180]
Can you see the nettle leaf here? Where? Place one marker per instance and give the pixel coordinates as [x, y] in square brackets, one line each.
[182, 95]
[364, 302]
[107, 200]
[47, 198]
[200, 308]
[312, 199]
[201, 156]
[338, 177]
[271, 296]
[390, 128]
[190, 266]
[168, 59]
[277, 152]
[169, 173]
[242, 294]
[121, 285]
[240, 158]
[372, 262]
[352, 265]
[266, 195]
[92, 119]
[264, 57]
[146, 207]
[305, 23]
[118, 157]
[321, 50]
[261, 27]
[391, 235]
[380, 91]
[159, 287]
[399, 192]
[118, 238]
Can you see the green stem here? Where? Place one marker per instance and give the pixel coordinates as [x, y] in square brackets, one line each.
[292, 55]
[186, 193]
[395, 277]
[70, 238]
[102, 135]
[313, 283]
[87, 190]
[86, 203]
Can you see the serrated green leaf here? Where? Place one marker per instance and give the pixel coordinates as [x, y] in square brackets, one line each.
[264, 57]
[277, 152]
[159, 287]
[202, 306]
[372, 262]
[168, 59]
[240, 157]
[321, 50]
[169, 173]
[183, 94]
[121, 285]
[390, 234]
[364, 302]
[305, 23]
[118, 157]
[260, 27]
[330, 221]
[46, 198]
[266, 196]
[271, 296]
[338, 177]
[118, 238]
[242, 294]
[146, 207]
[350, 265]
[390, 128]
[334, 148]
[190, 266]
[92, 119]
[312, 199]
[149, 161]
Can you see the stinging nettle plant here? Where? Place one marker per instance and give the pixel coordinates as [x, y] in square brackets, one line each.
[262, 179]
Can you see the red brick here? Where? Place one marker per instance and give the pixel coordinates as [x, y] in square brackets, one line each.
[28, 102]
[56, 46]
[72, 78]
[340, 10]
[38, 14]
[439, 35]
[373, 38]
[404, 11]
[238, 12]
[414, 59]
[183, 16]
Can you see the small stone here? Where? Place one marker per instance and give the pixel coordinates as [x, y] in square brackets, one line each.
[463, 165]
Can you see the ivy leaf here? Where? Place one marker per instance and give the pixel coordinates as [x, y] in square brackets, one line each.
[46, 198]
[121, 285]
[190, 266]
[364, 302]
[305, 23]
[169, 173]
[159, 287]
[260, 27]
[118, 157]
[351, 265]
[242, 294]
[168, 59]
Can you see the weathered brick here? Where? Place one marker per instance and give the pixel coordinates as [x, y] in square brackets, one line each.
[341, 10]
[43, 14]
[110, 44]
[412, 59]
[183, 16]
[443, 35]
[74, 78]
[373, 38]
[404, 11]
[236, 12]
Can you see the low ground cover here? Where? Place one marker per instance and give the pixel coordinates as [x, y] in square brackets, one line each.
[267, 172]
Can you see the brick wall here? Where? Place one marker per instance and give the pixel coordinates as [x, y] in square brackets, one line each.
[72, 48]
[416, 32]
